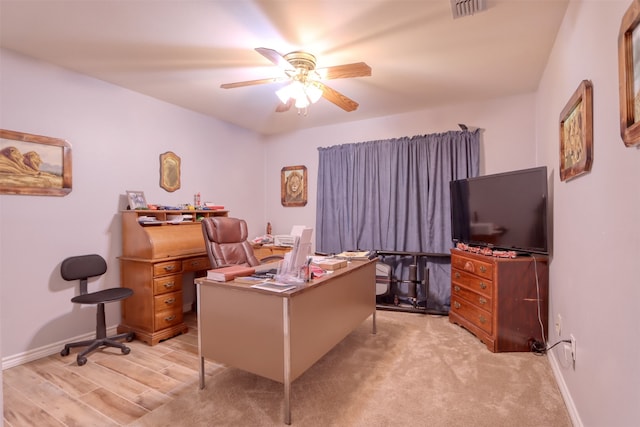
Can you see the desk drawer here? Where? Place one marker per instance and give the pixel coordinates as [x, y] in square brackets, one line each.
[474, 266]
[167, 301]
[167, 318]
[473, 282]
[481, 301]
[162, 285]
[169, 267]
[196, 264]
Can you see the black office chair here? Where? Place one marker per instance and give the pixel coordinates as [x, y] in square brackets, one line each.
[82, 268]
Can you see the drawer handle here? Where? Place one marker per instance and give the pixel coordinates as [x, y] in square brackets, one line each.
[483, 285]
[195, 263]
[456, 288]
[169, 267]
[482, 300]
[483, 320]
[169, 285]
[457, 275]
[169, 301]
[456, 304]
[170, 318]
[483, 269]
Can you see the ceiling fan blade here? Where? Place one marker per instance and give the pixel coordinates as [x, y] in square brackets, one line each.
[337, 98]
[358, 69]
[282, 107]
[275, 57]
[253, 82]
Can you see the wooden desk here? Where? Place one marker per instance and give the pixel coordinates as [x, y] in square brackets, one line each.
[155, 257]
[280, 335]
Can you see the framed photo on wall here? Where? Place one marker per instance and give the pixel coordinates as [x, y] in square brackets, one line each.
[629, 75]
[576, 133]
[34, 165]
[293, 186]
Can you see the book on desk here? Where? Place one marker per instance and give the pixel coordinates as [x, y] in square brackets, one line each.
[230, 272]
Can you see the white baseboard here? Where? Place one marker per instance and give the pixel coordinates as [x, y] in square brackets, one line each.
[568, 401]
[47, 350]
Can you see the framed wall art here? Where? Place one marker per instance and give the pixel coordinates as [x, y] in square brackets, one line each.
[137, 200]
[34, 164]
[629, 75]
[576, 133]
[293, 186]
[169, 171]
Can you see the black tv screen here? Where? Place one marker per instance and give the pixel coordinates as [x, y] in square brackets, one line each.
[506, 211]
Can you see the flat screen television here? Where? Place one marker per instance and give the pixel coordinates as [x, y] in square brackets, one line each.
[505, 211]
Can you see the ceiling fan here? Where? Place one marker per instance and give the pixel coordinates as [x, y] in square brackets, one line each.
[305, 86]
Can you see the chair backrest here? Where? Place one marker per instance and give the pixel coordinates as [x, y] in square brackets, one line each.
[81, 268]
[226, 242]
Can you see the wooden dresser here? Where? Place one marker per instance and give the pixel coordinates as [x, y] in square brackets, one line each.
[155, 255]
[497, 299]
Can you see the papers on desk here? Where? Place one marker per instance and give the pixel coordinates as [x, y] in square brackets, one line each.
[274, 286]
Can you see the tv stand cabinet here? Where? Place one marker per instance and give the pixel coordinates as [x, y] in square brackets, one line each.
[155, 257]
[497, 299]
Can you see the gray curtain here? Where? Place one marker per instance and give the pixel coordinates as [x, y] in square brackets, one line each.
[394, 195]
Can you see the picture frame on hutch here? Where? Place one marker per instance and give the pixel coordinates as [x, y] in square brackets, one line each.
[293, 186]
[34, 165]
[137, 200]
[576, 133]
[629, 75]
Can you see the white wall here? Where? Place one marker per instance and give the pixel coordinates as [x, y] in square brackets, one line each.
[508, 143]
[117, 137]
[594, 281]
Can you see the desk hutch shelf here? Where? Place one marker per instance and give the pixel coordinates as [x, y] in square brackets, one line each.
[155, 256]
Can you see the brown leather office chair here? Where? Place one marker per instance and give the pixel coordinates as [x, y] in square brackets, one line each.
[226, 242]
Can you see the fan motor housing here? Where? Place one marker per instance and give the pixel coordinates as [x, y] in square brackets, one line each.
[299, 59]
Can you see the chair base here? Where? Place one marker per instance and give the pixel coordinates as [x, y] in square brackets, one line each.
[94, 344]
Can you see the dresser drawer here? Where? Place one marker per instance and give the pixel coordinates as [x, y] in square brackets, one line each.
[169, 267]
[477, 316]
[196, 264]
[476, 299]
[167, 318]
[162, 285]
[167, 301]
[479, 268]
[472, 282]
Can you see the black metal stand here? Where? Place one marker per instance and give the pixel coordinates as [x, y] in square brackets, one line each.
[397, 299]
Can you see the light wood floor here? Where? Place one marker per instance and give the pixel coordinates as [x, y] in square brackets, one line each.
[112, 389]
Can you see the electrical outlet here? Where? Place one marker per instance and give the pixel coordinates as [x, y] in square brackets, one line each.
[573, 348]
[559, 324]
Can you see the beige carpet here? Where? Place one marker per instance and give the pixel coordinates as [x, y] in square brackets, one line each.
[416, 371]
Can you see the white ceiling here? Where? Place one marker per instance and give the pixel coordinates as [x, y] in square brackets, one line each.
[181, 51]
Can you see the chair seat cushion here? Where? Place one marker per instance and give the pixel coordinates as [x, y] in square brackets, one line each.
[106, 295]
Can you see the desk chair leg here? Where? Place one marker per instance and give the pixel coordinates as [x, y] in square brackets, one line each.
[101, 339]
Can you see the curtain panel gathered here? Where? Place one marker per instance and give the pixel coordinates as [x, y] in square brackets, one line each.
[393, 195]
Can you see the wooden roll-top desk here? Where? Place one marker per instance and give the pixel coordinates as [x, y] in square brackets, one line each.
[155, 255]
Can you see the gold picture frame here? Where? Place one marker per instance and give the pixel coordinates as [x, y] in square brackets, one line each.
[629, 75]
[293, 186]
[137, 200]
[576, 133]
[34, 165]
[169, 171]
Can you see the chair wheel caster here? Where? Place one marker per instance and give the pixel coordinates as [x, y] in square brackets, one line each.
[130, 337]
[64, 352]
[126, 350]
[81, 360]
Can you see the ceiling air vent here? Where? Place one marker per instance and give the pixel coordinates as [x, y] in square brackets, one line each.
[461, 8]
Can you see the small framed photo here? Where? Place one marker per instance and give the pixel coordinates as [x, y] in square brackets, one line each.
[34, 165]
[576, 133]
[293, 186]
[137, 200]
[629, 75]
